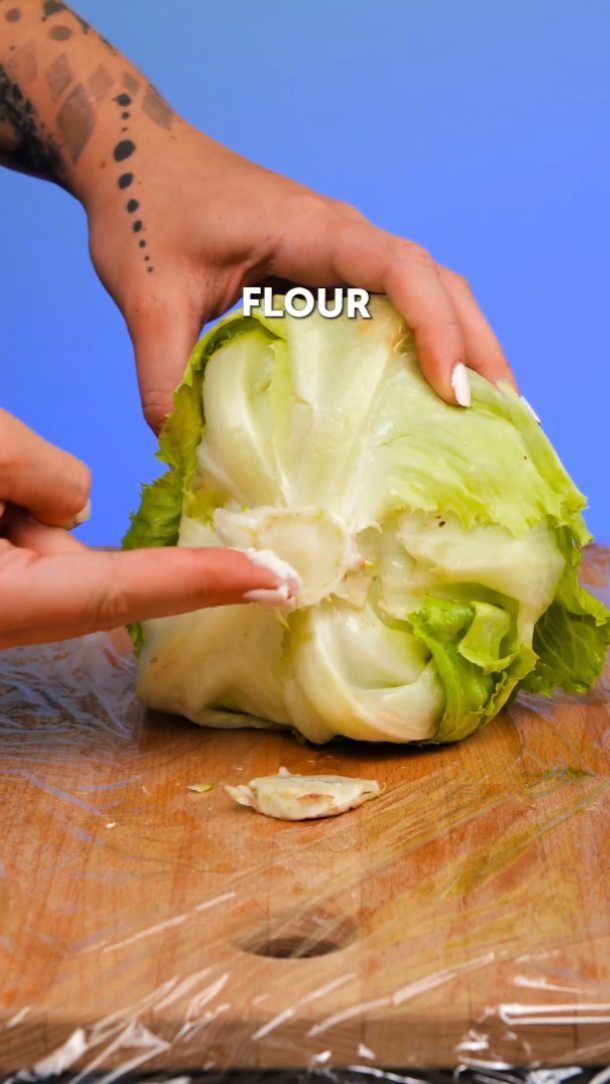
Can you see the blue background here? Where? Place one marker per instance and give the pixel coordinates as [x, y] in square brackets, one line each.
[479, 129]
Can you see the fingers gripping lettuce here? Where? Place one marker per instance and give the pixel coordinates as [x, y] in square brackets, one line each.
[438, 547]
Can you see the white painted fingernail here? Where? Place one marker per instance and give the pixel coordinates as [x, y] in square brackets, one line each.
[80, 517]
[530, 408]
[84, 513]
[461, 384]
[271, 596]
[289, 582]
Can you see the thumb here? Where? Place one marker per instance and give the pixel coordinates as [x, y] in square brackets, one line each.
[163, 335]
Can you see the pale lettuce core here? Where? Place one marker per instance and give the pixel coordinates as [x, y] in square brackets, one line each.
[437, 547]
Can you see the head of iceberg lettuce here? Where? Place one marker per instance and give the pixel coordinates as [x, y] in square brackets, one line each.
[438, 547]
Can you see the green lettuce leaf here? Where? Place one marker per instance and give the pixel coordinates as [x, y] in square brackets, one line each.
[571, 639]
[468, 643]
[157, 521]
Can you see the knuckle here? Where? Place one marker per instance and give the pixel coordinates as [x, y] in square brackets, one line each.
[455, 279]
[107, 605]
[311, 207]
[409, 255]
[347, 210]
[305, 218]
[416, 254]
[437, 324]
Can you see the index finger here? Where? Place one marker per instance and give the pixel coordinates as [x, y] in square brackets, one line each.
[65, 590]
[352, 251]
[482, 347]
[409, 276]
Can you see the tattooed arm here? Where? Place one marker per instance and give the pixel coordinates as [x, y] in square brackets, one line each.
[47, 114]
[178, 223]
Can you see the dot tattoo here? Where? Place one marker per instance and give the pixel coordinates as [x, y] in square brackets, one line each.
[108, 44]
[13, 15]
[123, 150]
[60, 33]
[57, 7]
[53, 7]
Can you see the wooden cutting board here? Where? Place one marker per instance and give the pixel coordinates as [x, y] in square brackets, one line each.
[462, 918]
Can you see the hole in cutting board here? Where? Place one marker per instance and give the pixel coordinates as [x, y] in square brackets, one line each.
[299, 936]
[289, 948]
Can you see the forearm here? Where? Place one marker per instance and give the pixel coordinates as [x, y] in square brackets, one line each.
[72, 109]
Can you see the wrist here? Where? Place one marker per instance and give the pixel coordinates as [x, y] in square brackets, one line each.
[123, 144]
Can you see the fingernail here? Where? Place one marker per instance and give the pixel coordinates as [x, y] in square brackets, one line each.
[271, 596]
[461, 384]
[80, 517]
[530, 408]
[288, 580]
[84, 513]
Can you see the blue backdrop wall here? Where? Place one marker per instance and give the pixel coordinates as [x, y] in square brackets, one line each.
[478, 129]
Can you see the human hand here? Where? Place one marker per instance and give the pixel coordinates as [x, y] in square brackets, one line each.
[54, 588]
[179, 224]
[212, 222]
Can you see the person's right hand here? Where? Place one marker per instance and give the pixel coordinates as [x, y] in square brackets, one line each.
[179, 224]
[54, 588]
[213, 222]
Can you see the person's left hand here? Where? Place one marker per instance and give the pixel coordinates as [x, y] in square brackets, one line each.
[196, 222]
[52, 587]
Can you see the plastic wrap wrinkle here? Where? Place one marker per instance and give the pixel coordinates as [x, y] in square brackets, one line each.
[459, 926]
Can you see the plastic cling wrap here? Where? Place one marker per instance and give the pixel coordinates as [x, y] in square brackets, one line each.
[459, 925]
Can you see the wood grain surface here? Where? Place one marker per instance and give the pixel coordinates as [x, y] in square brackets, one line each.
[461, 918]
